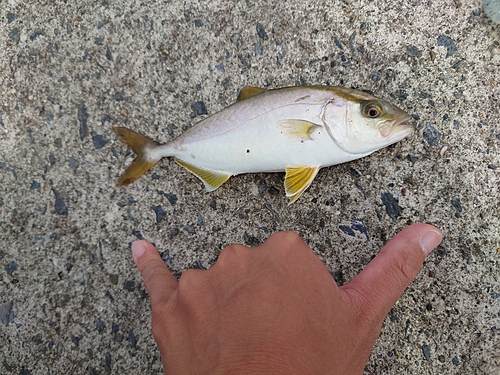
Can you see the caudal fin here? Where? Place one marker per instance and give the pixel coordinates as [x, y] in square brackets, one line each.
[140, 145]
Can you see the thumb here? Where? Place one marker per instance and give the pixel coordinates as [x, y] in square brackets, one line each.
[377, 288]
[159, 281]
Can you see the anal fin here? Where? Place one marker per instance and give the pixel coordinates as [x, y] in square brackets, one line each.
[211, 179]
[298, 179]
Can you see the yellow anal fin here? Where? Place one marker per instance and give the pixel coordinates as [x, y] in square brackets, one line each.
[297, 180]
[139, 145]
[248, 92]
[300, 129]
[211, 179]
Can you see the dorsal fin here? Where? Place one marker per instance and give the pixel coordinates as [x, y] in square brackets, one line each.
[248, 92]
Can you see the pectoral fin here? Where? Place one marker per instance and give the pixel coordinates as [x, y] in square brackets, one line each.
[249, 91]
[297, 180]
[300, 129]
[211, 179]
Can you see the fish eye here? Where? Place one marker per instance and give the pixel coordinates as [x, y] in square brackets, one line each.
[372, 110]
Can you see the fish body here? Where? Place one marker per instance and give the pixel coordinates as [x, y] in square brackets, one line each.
[297, 129]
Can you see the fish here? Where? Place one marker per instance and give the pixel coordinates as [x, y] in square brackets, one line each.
[298, 130]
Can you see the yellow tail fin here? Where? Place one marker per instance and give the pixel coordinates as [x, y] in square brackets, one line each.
[139, 145]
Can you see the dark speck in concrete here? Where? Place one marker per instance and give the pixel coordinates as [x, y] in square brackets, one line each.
[337, 43]
[6, 313]
[262, 186]
[431, 134]
[107, 363]
[258, 49]
[391, 205]
[347, 230]
[15, 35]
[109, 56]
[199, 108]
[129, 285]
[360, 227]
[190, 229]
[2, 254]
[138, 234]
[492, 166]
[455, 202]
[82, 119]
[132, 339]
[160, 213]
[220, 68]
[76, 340]
[413, 51]
[426, 350]
[11, 267]
[52, 159]
[261, 32]
[375, 77]
[98, 41]
[59, 205]
[3, 166]
[118, 96]
[455, 361]
[35, 185]
[448, 43]
[250, 240]
[172, 198]
[99, 140]
[99, 325]
[73, 163]
[11, 17]
[495, 295]
[36, 34]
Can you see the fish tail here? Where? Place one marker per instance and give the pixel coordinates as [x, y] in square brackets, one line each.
[141, 146]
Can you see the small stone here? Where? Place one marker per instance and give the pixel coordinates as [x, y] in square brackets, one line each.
[258, 49]
[73, 163]
[492, 166]
[82, 118]
[172, 198]
[76, 340]
[109, 56]
[98, 41]
[442, 358]
[11, 267]
[347, 230]
[190, 229]
[160, 213]
[448, 43]
[455, 361]
[138, 234]
[11, 17]
[118, 96]
[129, 285]
[99, 140]
[36, 34]
[426, 350]
[199, 108]
[124, 112]
[431, 135]
[250, 240]
[7, 313]
[59, 205]
[35, 185]
[261, 32]
[99, 325]
[391, 205]
[413, 51]
[132, 339]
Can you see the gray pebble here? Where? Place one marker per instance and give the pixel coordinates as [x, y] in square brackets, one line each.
[413, 51]
[258, 49]
[261, 32]
[82, 118]
[199, 108]
[36, 34]
[190, 229]
[250, 240]
[160, 213]
[11, 17]
[6, 313]
[129, 285]
[492, 166]
[99, 140]
[1, 120]
[35, 185]
[11, 267]
[347, 230]
[15, 35]
[391, 205]
[73, 163]
[109, 56]
[448, 43]
[59, 205]
[455, 361]
[431, 135]
[118, 96]
[426, 350]
[99, 325]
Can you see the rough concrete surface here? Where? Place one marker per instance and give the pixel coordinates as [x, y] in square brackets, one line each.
[71, 300]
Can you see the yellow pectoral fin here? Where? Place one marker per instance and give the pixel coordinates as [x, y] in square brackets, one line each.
[297, 180]
[300, 129]
[248, 92]
[211, 179]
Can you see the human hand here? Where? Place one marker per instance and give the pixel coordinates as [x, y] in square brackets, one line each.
[275, 308]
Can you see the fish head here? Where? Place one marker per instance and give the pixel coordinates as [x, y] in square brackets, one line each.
[369, 124]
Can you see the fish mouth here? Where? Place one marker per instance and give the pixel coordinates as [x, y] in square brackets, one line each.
[401, 129]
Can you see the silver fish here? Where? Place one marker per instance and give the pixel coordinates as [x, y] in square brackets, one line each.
[295, 129]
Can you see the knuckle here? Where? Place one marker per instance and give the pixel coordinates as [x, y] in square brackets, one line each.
[231, 255]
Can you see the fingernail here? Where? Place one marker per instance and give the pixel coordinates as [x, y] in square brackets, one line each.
[430, 241]
[138, 249]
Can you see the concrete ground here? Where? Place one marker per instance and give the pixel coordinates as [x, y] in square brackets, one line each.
[71, 300]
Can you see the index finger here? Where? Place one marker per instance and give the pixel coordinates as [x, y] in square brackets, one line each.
[159, 281]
